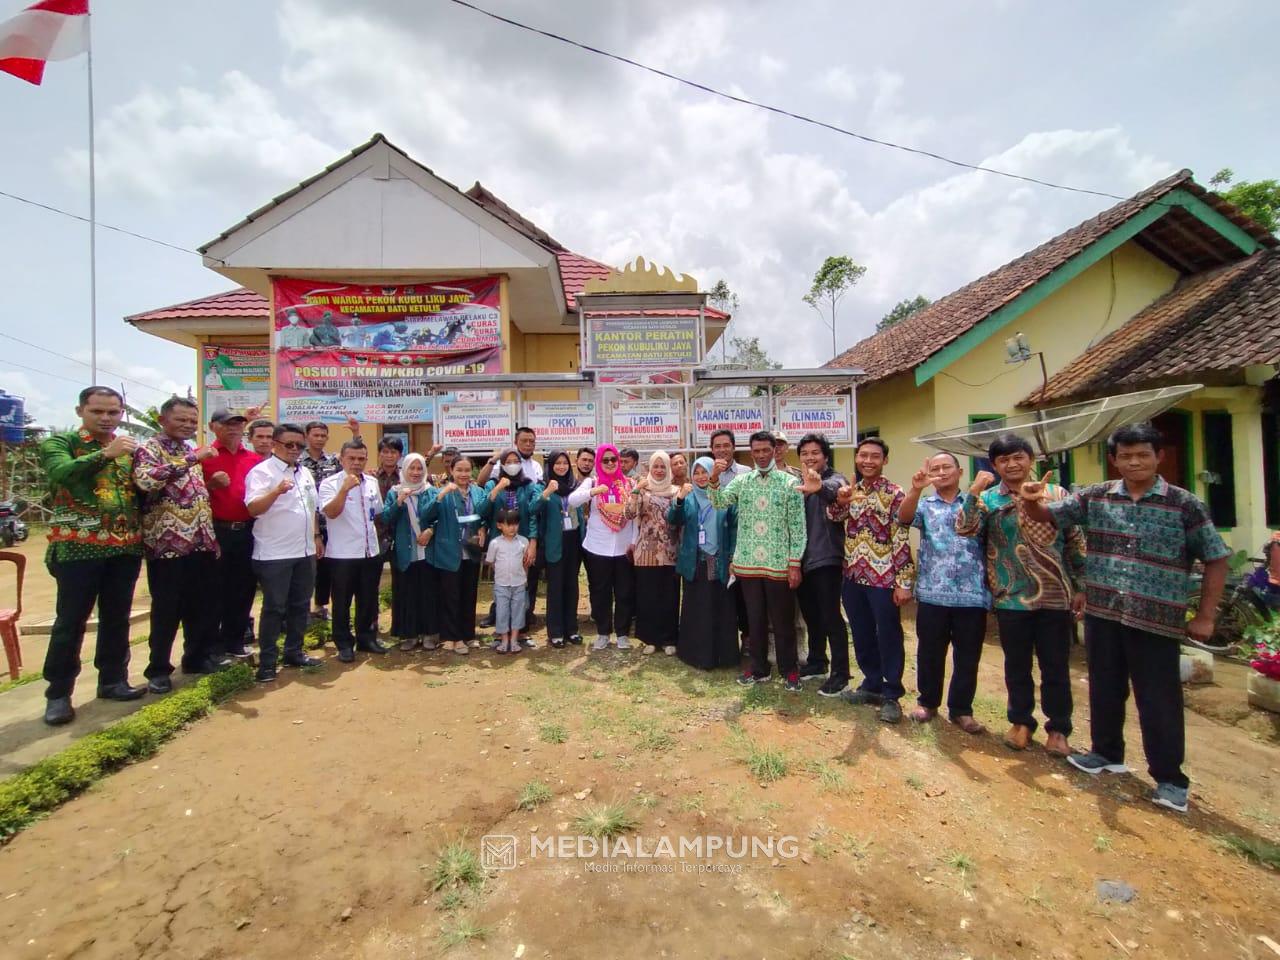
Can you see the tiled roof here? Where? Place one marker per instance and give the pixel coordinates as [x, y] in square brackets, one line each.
[1208, 328]
[912, 341]
[481, 195]
[240, 302]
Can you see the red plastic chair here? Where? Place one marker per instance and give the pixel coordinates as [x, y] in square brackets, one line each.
[9, 618]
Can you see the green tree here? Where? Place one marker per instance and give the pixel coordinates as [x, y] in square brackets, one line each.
[902, 310]
[1260, 199]
[836, 277]
[748, 353]
[725, 300]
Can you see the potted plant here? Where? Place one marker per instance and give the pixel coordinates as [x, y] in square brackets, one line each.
[1264, 681]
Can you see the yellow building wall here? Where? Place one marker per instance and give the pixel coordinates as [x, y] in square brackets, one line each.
[1061, 326]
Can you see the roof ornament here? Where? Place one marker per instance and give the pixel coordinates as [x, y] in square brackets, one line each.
[642, 277]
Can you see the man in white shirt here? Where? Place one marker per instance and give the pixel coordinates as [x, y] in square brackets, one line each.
[294, 334]
[350, 501]
[281, 497]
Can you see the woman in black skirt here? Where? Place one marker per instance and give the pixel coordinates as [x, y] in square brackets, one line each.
[414, 582]
[560, 548]
[708, 616]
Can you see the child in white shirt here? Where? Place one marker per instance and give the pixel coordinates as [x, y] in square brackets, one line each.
[507, 553]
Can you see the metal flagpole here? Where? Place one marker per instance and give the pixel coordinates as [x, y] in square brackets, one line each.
[93, 217]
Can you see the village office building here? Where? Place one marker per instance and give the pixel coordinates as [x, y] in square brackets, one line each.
[339, 277]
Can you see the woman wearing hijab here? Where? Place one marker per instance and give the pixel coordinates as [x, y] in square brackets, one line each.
[560, 548]
[654, 557]
[414, 582]
[605, 546]
[708, 618]
[512, 489]
[457, 514]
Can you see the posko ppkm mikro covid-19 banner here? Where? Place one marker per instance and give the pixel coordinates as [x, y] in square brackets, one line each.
[369, 350]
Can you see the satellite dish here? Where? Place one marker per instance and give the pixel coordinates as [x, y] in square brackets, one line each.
[1059, 429]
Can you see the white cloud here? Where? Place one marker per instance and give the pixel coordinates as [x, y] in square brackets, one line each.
[38, 393]
[770, 68]
[617, 163]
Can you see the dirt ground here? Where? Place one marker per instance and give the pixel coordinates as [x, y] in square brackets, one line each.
[306, 819]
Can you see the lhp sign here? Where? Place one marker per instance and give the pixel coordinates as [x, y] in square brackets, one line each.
[476, 426]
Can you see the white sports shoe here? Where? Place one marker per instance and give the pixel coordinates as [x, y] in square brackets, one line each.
[601, 643]
[624, 643]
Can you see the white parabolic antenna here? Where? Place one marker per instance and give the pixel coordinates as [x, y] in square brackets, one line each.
[1059, 429]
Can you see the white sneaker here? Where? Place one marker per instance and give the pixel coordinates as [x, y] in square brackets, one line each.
[624, 643]
[601, 643]
[648, 648]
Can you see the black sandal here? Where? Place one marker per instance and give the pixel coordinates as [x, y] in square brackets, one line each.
[558, 643]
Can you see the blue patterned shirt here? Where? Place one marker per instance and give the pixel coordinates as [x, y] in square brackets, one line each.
[1139, 554]
[950, 569]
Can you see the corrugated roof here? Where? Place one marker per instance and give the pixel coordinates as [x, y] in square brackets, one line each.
[911, 342]
[1208, 328]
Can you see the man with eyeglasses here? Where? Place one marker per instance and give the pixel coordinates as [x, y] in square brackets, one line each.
[281, 497]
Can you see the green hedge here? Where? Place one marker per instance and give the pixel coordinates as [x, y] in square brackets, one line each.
[56, 779]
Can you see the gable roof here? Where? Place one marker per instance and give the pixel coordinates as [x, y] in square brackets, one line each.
[1207, 329]
[1161, 222]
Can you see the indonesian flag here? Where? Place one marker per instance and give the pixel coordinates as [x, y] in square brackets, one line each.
[47, 30]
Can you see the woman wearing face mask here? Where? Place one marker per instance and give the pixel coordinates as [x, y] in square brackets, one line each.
[708, 617]
[414, 581]
[654, 556]
[560, 549]
[610, 576]
[458, 515]
[513, 490]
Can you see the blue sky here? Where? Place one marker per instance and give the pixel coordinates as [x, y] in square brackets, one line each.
[207, 111]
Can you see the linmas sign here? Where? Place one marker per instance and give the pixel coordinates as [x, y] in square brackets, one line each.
[828, 415]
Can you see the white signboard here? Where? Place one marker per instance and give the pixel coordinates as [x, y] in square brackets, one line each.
[743, 415]
[562, 424]
[476, 426]
[646, 424]
[827, 415]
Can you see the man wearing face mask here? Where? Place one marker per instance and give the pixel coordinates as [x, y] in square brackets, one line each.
[766, 558]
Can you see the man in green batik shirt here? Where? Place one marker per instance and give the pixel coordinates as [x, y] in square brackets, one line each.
[95, 550]
[766, 558]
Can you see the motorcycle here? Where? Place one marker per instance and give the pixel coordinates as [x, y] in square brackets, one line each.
[13, 529]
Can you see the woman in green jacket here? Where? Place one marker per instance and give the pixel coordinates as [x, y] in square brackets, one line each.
[513, 490]
[560, 548]
[457, 514]
[708, 617]
[414, 581]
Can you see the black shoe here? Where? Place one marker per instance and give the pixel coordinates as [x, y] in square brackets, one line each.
[576, 639]
[265, 674]
[890, 712]
[121, 691]
[832, 687]
[372, 646]
[58, 711]
[812, 673]
[240, 653]
[792, 683]
[300, 660]
[205, 666]
[486, 622]
[860, 697]
[159, 685]
[558, 643]
[750, 679]
[346, 655]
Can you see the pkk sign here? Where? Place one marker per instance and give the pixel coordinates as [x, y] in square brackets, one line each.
[476, 426]
[646, 424]
[370, 350]
[828, 415]
[743, 416]
[562, 424]
[640, 342]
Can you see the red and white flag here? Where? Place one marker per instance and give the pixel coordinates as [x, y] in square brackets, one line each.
[47, 30]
